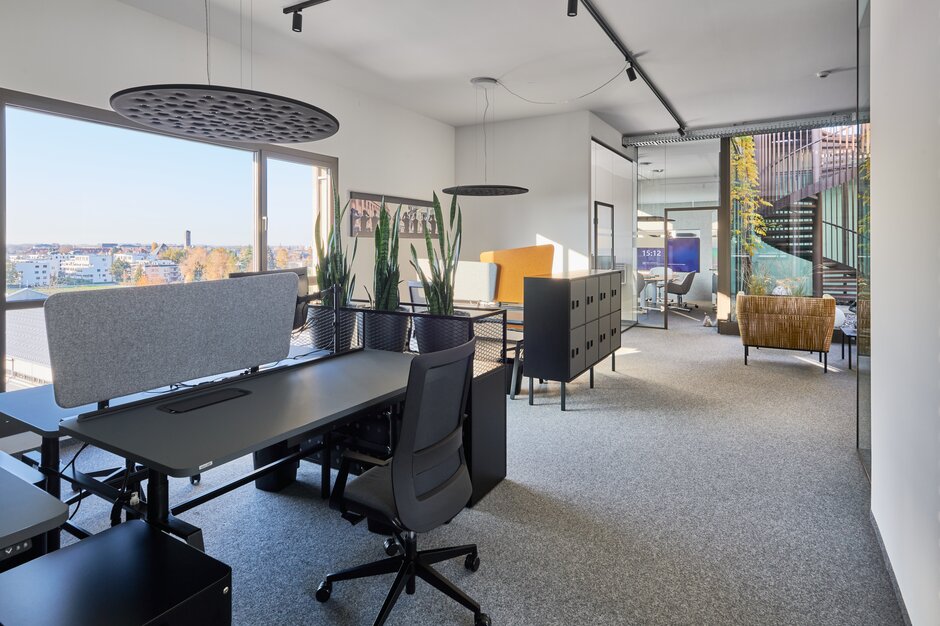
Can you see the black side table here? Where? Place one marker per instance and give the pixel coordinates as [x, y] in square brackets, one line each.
[850, 334]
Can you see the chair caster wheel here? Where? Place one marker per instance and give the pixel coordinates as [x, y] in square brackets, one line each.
[392, 547]
[194, 480]
[472, 563]
[324, 590]
[482, 620]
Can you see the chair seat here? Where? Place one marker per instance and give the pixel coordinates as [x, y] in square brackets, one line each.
[373, 490]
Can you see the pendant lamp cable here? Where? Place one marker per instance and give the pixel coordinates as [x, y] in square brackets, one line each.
[486, 108]
[208, 79]
[619, 73]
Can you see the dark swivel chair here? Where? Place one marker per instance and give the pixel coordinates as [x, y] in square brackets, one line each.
[424, 485]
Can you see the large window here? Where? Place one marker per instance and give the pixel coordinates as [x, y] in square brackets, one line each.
[91, 205]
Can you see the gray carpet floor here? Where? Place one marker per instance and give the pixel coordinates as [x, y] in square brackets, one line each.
[685, 488]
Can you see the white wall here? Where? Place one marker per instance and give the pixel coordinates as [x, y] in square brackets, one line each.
[905, 99]
[550, 155]
[84, 50]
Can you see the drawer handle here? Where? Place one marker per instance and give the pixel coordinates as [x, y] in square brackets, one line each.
[572, 353]
[577, 350]
[613, 292]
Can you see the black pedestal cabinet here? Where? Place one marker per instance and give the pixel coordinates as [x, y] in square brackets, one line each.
[572, 322]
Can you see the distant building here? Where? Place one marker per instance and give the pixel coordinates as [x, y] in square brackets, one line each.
[188, 239]
[162, 270]
[88, 268]
[131, 257]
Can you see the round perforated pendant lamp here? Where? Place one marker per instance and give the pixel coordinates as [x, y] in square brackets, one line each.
[232, 114]
[486, 189]
[224, 113]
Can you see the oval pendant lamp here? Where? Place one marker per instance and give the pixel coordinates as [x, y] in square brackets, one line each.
[486, 189]
[223, 113]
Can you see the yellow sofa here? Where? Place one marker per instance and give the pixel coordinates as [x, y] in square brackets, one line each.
[790, 323]
[514, 265]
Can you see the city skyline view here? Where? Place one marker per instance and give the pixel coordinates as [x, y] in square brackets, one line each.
[141, 188]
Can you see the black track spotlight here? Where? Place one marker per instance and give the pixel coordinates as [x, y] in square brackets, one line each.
[631, 73]
[297, 24]
[682, 131]
[572, 8]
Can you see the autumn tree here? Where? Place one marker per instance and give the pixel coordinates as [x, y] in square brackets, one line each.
[193, 265]
[281, 258]
[172, 254]
[220, 262]
[745, 195]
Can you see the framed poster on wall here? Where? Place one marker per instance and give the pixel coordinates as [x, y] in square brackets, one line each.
[417, 216]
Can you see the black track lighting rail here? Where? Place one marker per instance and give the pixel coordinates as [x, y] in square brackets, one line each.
[300, 6]
[605, 26]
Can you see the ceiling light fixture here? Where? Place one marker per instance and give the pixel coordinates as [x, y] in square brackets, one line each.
[631, 73]
[297, 24]
[488, 85]
[219, 113]
[296, 21]
[572, 8]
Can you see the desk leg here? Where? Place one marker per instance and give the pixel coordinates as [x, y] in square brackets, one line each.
[850, 353]
[158, 498]
[843, 345]
[49, 459]
[327, 458]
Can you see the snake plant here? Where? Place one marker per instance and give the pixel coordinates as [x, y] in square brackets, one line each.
[387, 274]
[333, 269]
[439, 286]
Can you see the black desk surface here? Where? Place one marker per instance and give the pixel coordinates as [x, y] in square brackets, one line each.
[129, 574]
[283, 404]
[26, 511]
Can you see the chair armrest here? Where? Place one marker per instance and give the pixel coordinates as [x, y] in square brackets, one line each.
[339, 488]
[350, 455]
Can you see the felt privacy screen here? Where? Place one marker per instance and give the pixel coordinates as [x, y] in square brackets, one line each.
[110, 343]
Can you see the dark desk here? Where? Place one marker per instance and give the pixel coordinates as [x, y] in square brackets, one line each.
[299, 400]
[36, 409]
[26, 511]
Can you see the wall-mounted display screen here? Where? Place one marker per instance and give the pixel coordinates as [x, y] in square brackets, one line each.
[684, 255]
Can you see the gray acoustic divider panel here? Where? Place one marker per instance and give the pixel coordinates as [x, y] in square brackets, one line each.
[110, 343]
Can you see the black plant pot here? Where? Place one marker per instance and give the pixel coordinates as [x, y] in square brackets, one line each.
[384, 331]
[440, 333]
[321, 329]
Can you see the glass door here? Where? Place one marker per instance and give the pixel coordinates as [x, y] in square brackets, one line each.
[603, 236]
[692, 257]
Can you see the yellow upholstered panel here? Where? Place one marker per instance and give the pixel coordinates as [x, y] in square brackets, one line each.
[514, 265]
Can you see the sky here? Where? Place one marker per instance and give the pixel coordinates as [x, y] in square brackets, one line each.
[76, 182]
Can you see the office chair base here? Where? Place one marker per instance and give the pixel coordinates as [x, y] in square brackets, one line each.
[409, 565]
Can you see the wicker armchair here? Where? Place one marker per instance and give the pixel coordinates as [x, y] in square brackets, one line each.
[789, 323]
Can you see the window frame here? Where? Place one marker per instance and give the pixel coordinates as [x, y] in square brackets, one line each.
[84, 113]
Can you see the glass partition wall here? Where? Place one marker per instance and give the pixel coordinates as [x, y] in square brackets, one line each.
[677, 232]
[612, 216]
[863, 304]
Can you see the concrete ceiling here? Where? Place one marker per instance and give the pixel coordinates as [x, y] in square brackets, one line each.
[718, 61]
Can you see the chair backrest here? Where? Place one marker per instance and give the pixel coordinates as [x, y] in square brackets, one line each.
[303, 289]
[640, 283]
[430, 479]
[682, 287]
[416, 296]
[474, 282]
[514, 265]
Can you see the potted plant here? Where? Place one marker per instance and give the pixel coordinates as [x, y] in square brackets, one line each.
[334, 279]
[385, 332]
[432, 333]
